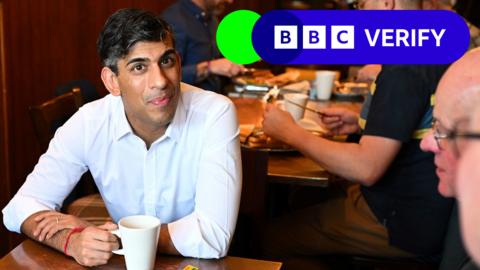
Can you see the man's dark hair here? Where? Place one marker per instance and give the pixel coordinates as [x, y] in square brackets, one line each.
[124, 29]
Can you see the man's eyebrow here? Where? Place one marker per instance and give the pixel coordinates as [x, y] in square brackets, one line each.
[138, 59]
[168, 52]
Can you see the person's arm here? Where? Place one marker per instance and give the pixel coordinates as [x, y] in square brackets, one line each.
[339, 121]
[208, 230]
[48, 223]
[53, 178]
[397, 107]
[29, 228]
[93, 246]
[364, 163]
[368, 72]
[224, 67]
[221, 66]
[32, 209]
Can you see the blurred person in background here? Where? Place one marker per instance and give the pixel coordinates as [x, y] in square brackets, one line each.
[370, 72]
[390, 206]
[448, 5]
[195, 24]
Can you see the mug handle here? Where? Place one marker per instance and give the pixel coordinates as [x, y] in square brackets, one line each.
[118, 251]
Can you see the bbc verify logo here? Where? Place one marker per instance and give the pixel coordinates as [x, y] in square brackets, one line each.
[314, 37]
[343, 37]
[360, 37]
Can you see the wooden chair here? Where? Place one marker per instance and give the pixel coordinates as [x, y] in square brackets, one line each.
[87, 88]
[50, 115]
[252, 213]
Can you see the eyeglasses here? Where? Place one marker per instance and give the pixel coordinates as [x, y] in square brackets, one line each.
[452, 135]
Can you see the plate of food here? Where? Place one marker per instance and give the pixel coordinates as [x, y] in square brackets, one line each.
[254, 137]
[351, 89]
[263, 80]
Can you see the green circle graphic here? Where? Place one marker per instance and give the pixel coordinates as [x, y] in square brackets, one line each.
[234, 36]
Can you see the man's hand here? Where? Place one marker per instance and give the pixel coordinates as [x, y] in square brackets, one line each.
[225, 67]
[339, 121]
[94, 245]
[368, 73]
[277, 123]
[51, 222]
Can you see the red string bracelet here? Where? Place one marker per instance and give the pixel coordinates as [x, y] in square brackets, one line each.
[72, 231]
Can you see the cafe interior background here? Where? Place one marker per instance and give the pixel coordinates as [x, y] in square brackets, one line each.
[46, 43]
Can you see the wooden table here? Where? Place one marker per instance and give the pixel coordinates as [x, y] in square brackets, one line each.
[32, 255]
[289, 168]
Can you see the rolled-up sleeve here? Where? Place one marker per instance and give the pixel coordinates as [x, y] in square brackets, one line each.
[208, 230]
[52, 179]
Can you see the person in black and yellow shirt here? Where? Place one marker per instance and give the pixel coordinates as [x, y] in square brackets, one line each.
[391, 208]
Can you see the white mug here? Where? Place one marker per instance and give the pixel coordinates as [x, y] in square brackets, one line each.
[139, 236]
[295, 106]
[323, 83]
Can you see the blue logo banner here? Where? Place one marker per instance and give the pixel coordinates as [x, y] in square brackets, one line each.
[360, 37]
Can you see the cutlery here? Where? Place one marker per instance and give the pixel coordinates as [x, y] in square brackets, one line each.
[306, 108]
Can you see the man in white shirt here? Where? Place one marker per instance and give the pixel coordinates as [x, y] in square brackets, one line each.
[154, 146]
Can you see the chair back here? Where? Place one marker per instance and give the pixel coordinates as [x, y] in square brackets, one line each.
[87, 88]
[254, 170]
[252, 214]
[50, 115]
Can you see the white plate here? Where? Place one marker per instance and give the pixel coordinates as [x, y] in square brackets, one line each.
[351, 89]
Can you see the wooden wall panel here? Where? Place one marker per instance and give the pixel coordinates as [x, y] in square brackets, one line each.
[47, 43]
[4, 145]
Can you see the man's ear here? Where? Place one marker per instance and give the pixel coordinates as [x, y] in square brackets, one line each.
[110, 80]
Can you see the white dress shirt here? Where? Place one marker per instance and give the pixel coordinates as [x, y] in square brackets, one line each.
[190, 177]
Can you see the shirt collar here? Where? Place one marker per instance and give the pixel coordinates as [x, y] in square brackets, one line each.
[122, 127]
[174, 129]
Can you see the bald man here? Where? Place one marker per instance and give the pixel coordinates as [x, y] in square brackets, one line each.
[468, 186]
[194, 24]
[457, 95]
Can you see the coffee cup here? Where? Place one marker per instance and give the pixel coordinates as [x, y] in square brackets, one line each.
[323, 84]
[294, 104]
[139, 235]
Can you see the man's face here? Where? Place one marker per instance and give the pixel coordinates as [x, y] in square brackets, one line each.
[216, 7]
[446, 156]
[149, 82]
